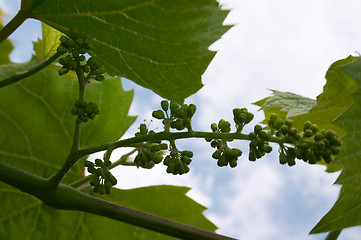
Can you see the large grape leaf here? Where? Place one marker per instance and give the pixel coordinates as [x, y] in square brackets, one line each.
[159, 44]
[36, 127]
[337, 108]
[347, 210]
[40, 222]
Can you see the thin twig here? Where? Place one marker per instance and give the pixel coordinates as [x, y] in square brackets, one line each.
[28, 72]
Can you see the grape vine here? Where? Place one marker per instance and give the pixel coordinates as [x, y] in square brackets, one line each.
[310, 144]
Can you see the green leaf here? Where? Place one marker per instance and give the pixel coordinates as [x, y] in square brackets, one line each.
[290, 103]
[337, 108]
[344, 78]
[159, 44]
[40, 222]
[47, 46]
[36, 127]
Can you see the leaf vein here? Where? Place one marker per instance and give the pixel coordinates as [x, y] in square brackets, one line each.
[50, 109]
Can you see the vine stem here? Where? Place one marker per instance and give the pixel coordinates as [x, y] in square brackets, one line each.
[333, 235]
[170, 136]
[14, 23]
[121, 161]
[64, 197]
[73, 156]
[28, 72]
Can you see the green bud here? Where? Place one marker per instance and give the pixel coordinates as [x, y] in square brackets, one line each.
[264, 135]
[174, 107]
[314, 128]
[191, 110]
[257, 129]
[335, 141]
[267, 148]
[88, 164]
[335, 150]
[158, 114]
[186, 160]
[283, 158]
[217, 154]
[308, 133]
[307, 125]
[228, 153]
[214, 127]
[222, 162]
[80, 103]
[158, 157]
[237, 152]
[99, 78]
[233, 164]
[284, 129]
[224, 125]
[288, 123]
[63, 71]
[163, 146]
[252, 156]
[99, 162]
[62, 49]
[252, 135]
[143, 129]
[85, 119]
[249, 118]
[165, 105]
[279, 123]
[272, 119]
[94, 182]
[187, 153]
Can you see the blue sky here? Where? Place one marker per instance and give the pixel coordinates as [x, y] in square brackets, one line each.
[283, 45]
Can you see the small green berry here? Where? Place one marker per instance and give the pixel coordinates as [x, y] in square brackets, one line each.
[165, 105]
[158, 114]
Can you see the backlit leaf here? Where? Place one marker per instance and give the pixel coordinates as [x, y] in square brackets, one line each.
[159, 44]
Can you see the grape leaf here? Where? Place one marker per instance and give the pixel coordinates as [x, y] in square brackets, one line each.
[338, 108]
[40, 222]
[36, 127]
[347, 210]
[159, 44]
[290, 103]
[47, 46]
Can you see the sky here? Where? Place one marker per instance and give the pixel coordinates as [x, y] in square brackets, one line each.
[284, 45]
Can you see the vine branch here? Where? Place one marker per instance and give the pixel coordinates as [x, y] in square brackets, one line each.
[333, 235]
[64, 197]
[28, 72]
[14, 23]
[168, 136]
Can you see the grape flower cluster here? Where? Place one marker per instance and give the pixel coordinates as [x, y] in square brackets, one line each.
[150, 152]
[103, 180]
[175, 116]
[84, 111]
[74, 48]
